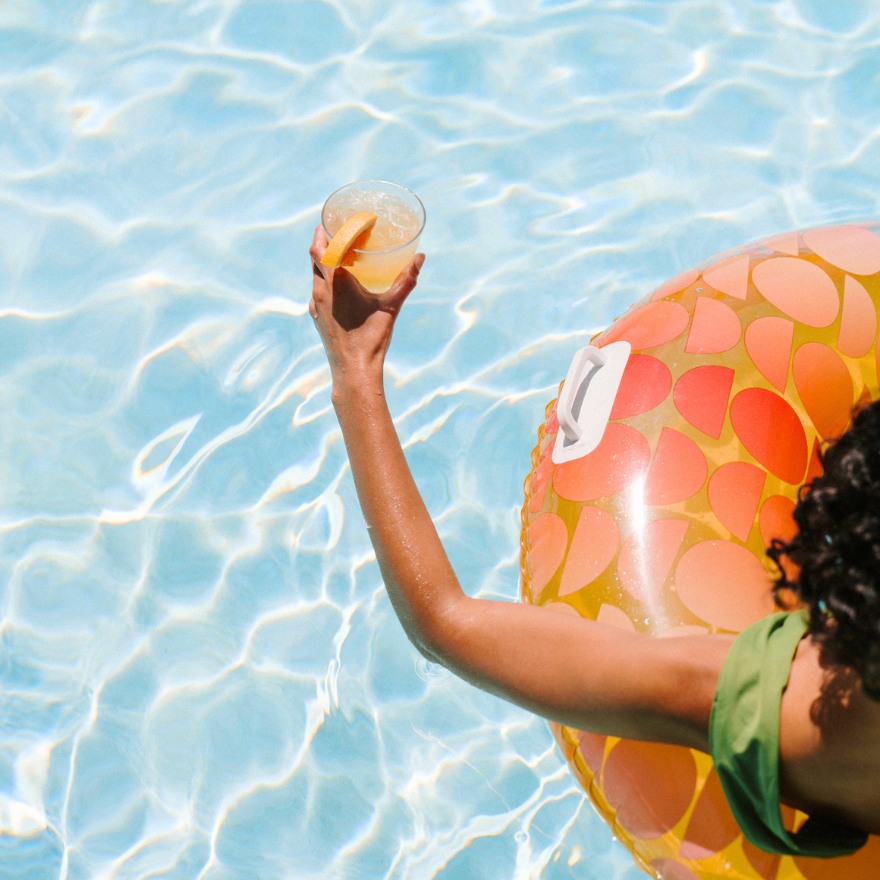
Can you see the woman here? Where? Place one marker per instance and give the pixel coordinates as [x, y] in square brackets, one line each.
[676, 690]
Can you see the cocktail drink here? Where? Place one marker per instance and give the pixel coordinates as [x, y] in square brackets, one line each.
[383, 250]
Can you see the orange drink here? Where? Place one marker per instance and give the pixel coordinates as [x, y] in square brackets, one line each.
[385, 247]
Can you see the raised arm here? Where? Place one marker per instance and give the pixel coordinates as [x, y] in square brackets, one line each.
[573, 671]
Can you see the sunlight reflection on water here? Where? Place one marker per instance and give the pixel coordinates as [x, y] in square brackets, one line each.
[202, 676]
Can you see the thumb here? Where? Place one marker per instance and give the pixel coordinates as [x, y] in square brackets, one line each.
[404, 283]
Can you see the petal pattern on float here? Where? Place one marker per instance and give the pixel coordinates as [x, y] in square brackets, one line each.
[798, 289]
[814, 468]
[724, 584]
[847, 247]
[730, 276]
[645, 383]
[877, 357]
[593, 546]
[711, 828]
[649, 325]
[776, 519]
[634, 773]
[647, 558]
[562, 608]
[768, 343]
[772, 432]
[715, 327]
[620, 458]
[861, 864]
[701, 395]
[764, 863]
[734, 494]
[548, 535]
[787, 243]
[611, 615]
[858, 320]
[669, 869]
[678, 470]
[540, 481]
[676, 285]
[592, 750]
[825, 388]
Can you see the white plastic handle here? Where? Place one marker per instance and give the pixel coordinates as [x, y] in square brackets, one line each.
[586, 359]
[587, 398]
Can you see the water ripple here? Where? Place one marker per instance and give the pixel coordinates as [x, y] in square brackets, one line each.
[202, 676]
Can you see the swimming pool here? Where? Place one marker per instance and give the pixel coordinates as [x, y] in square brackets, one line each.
[202, 677]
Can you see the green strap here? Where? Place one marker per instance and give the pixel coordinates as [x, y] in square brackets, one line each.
[744, 741]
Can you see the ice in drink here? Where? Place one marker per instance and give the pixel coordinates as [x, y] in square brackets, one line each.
[384, 251]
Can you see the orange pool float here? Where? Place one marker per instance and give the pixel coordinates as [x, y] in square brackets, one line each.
[671, 459]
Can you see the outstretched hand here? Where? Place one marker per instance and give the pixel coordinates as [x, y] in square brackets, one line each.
[355, 325]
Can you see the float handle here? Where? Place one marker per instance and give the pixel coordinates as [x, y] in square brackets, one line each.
[587, 359]
[587, 398]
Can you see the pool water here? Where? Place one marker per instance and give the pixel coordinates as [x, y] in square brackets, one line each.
[202, 677]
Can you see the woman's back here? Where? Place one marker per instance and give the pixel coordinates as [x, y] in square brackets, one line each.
[829, 732]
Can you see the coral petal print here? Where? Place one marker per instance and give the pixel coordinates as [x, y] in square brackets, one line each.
[734, 494]
[768, 342]
[715, 327]
[548, 536]
[647, 558]
[775, 519]
[737, 377]
[668, 869]
[772, 432]
[593, 546]
[730, 276]
[724, 584]
[645, 384]
[701, 396]
[798, 289]
[861, 864]
[788, 243]
[676, 285]
[634, 771]
[649, 325]
[711, 827]
[764, 864]
[611, 615]
[849, 248]
[825, 387]
[858, 320]
[540, 479]
[621, 458]
[814, 468]
[592, 750]
[678, 470]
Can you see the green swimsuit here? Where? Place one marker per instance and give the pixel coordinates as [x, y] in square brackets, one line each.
[744, 741]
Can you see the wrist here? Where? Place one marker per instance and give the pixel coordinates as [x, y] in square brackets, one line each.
[355, 387]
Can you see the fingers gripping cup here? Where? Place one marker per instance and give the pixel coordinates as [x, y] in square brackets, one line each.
[374, 251]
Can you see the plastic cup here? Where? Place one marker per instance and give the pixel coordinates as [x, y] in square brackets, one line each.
[393, 241]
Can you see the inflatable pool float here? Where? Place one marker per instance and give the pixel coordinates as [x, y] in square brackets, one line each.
[671, 459]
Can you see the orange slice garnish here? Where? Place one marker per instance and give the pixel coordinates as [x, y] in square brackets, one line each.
[345, 237]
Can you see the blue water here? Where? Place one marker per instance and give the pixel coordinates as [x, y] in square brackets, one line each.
[202, 678]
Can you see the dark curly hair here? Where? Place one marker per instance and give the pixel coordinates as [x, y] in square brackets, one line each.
[836, 552]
